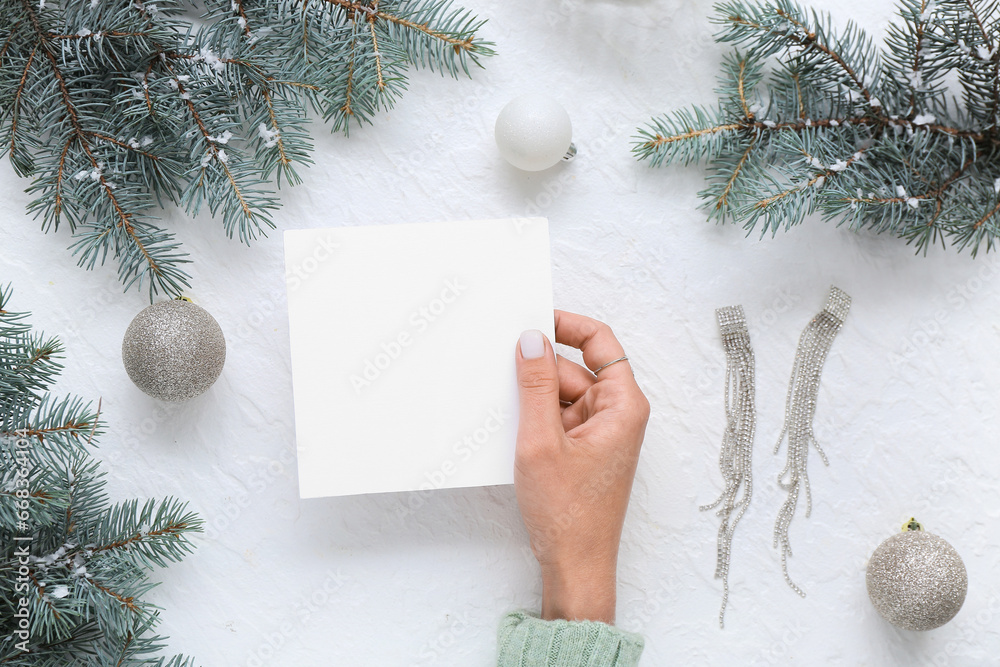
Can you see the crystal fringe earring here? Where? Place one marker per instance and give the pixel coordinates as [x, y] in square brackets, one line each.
[737, 440]
[800, 408]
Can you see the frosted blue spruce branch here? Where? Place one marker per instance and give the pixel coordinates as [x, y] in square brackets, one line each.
[816, 120]
[118, 108]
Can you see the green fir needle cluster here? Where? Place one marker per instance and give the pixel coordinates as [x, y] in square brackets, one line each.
[117, 107]
[814, 119]
[73, 565]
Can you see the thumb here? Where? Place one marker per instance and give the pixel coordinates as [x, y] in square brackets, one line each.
[538, 387]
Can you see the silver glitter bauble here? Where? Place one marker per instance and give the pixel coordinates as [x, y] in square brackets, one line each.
[916, 580]
[174, 350]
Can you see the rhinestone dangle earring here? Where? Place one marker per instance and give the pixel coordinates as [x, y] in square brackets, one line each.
[800, 408]
[737, 439]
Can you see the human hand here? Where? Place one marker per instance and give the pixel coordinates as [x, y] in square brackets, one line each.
[578, 444]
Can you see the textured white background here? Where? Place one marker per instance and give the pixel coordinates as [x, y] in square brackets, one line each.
[907, 409]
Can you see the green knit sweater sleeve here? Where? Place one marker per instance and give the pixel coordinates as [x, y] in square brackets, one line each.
[527, 641]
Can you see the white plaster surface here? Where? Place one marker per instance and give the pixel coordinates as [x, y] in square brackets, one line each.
[907, 409]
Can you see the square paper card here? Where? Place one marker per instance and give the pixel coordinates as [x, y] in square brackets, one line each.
[402, 341]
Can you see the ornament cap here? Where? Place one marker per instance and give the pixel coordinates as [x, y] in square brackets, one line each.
[912, 525]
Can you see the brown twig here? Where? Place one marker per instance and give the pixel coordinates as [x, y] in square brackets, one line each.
[826, 173]
[918, 43]
[171, 530]
[128, 642]
[739, 83]
[355, 7]
[659, 140]
[982, 29]
[6, 43]
[246, 22]
[41, 594]
[346, 107]
[937, 193]
[457, 44]
[122, 144]
[986, 217]
[798, 94]
[60, 173]
[39, 433]
[17, 99]
[127, 602]
[305, 31]
[378, 56]
[723, 199]
[274, 123]
[97, 416]
[95, 35]
[916, 172]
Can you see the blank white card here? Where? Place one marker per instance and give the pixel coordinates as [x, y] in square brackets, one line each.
[402, 344]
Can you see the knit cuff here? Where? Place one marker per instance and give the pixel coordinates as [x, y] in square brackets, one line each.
[524, 640]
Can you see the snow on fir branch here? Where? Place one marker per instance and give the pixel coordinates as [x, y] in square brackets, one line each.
[118, 107]
[73, 566]
[814, 119]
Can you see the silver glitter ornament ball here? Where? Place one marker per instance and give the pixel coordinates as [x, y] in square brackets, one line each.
[916, 580]
[174, 350]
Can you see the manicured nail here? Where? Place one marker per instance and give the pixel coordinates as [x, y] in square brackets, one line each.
[532, 344]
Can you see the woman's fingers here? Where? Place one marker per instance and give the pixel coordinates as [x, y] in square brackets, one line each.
[574, 379]
[597, 342]
[574, 415]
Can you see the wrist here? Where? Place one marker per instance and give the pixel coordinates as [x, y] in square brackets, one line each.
[580, 593]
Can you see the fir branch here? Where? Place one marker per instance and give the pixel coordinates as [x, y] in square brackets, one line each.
[124, 220]
[722, 201]
[920, 27]
[8, 40]
[127, 602]
[349, 87]
[974, 12]
[96, 36]
[87, 559]
[802, 153]
[154, 533]
[85, 108]
[993, 211]
[741, 82]
[378, 56]
[238, 6]
[22, 165]
[123, 145]
[436, 35]
[781, 25]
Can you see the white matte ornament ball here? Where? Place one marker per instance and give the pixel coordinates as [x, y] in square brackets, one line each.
[916, 580]
[533, 132]
[174, 350]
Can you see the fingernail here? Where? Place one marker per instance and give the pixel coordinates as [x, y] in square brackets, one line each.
[532, 344]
